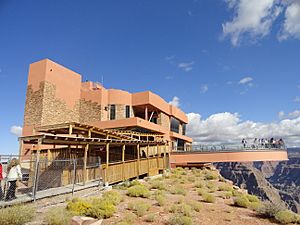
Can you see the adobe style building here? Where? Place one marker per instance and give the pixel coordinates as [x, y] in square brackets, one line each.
[57, 95]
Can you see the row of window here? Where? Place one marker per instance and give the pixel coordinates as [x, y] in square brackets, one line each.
[174, 122]
[112, 115]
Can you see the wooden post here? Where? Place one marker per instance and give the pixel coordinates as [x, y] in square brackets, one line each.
[107, 163]
[123, 162]
[157, 157]
[84, 163]
[38, 149]
[138, 160]
[70, 129]
[165, 158]
[146, 113]
[20, 147]
[148, 162]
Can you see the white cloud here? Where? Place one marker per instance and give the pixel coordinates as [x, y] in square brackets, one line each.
[281, 115]
[291, 25]
[294, 114]
[245, 80]
[252, 19]
[204, 88]
[175, 101]
[229, 128]
[188, 66]
[16, 130]
[297, 99]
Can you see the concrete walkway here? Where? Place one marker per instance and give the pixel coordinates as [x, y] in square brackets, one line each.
[50, 193]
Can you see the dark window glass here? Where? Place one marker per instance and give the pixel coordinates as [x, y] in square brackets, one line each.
[112, 112]
[183, 128]
[174, 125]
[127, 111]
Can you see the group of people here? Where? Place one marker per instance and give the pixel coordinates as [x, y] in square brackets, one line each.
[10, 179]
[264, 143]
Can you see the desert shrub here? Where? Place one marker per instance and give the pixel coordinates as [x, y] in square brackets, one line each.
[199, 184]
[211, 175]
[150, 217]
[78, 206]
[286, 217]
[254, 205]
[129, 217]
[179, 171]
[222, 179]
[201, 191]
[180, 220]
[178, 190]
[112, 196]
[134, 183]
[58, 216]
[161, 200]
[225, 187]
[191, 179]
[236, 193]
[157, 184]
[211, 187]
[268, 209]
[138, 191]
[101, 209]
[252, 198]
[227, 195]
[16, 215]
[209, 198]
[139, 207]
[95, 207]
[195, 205]
[183, 209]
[241, 201]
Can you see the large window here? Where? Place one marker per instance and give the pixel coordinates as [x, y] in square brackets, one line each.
[127, 111]
[174, 125]
[112, 112]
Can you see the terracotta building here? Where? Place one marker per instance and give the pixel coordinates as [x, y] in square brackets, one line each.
[57, 95]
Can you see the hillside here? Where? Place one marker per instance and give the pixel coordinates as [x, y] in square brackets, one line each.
[278, 182]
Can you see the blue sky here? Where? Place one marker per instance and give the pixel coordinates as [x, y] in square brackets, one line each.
[216, 56]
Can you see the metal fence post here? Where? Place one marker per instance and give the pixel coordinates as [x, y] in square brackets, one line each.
[74, 176]
[35, 181]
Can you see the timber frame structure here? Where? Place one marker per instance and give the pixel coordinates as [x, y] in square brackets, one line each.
[124, 154]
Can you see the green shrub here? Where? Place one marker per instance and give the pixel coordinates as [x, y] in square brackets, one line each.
[101, 209]
[201, 191]
[139, 207]
[112, 196]
[58, 216]
[16, 215]
[78, 206]
[225, 187]
[95, 207]
[241, 201]
[138, 191]
[210, 175]
[252, 198]
[191, 179]
[134, 183]
[286, 217]
[254, 205]
[150, 217]
[180, 220]
[236, 193]
[157, 184]
[195, 205]
[161, 200]
[179, 171]
[211, 187]
[227, 195]
[183, 209]
[129, 217]
[209, 198]
[268, 209]
[199, 184]
[178, 190]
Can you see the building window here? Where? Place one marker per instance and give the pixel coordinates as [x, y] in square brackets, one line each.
[112, 112]
[174, 125]
[127, 111]
[183, 129]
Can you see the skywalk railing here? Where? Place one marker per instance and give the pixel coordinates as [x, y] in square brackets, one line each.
[234, 147]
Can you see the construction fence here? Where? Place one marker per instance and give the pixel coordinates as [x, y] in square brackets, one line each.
[42, 178]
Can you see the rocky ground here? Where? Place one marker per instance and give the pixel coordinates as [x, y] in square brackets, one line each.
[178, 190]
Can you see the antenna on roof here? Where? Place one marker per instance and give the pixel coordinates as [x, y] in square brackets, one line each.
[102, 81]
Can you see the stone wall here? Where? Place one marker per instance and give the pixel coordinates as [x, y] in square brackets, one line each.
[90, 111]
[164, 120]
[121, 111]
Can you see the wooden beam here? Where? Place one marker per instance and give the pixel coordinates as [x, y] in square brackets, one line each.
[70, 129]
[148, 162]
[146, 113]
[138, 160]
[107, 163]
[85, 163]
[123, 162]
[165, 158]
